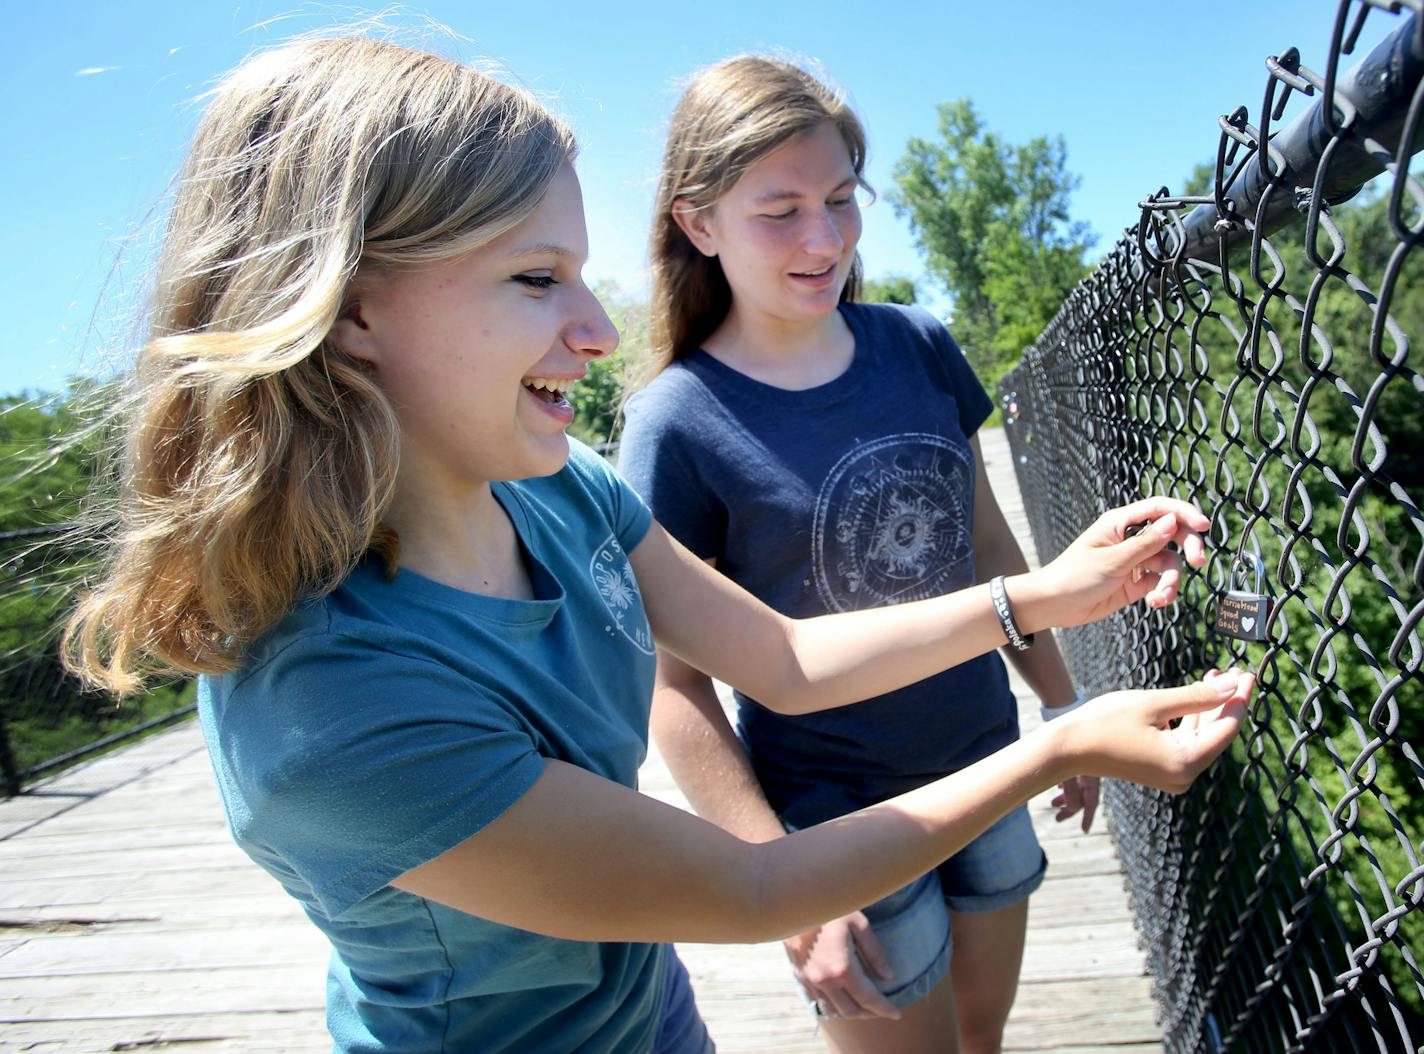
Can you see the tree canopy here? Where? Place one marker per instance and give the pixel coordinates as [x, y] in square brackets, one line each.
[892, 289]
[992, 219]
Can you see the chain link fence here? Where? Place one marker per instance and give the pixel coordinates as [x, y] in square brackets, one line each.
[48, 721]
[1248, 348]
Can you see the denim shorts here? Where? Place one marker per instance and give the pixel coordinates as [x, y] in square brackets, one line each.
[1001, 867]
[680, 1027]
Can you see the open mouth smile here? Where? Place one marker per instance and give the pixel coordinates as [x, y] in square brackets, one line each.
[826, 276]
[551, 394]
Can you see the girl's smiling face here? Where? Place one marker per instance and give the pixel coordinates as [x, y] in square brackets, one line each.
[477, 353]
[786, 232]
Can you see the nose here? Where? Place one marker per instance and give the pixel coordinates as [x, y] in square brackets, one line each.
[823, 234]
[591, 332]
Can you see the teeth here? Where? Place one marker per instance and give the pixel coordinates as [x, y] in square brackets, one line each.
[546, 383]
[815, 274]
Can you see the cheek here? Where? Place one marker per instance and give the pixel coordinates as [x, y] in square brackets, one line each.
[747, 254]
[773, 243]
[850, 226]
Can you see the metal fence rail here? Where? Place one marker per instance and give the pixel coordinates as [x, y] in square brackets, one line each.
[47, 720]
[1248, 348]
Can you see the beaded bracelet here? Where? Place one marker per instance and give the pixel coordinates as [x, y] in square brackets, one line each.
[1006, 617]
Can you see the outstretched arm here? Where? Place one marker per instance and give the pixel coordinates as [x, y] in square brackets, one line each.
[581, 857]
[805, 665]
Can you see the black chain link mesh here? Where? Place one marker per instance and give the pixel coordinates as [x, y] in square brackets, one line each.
[1268, 379]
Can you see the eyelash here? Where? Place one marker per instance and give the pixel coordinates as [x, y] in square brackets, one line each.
[838, 203]
[537, 281]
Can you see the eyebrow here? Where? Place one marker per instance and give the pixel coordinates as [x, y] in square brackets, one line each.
[542, 249]
[791, 195]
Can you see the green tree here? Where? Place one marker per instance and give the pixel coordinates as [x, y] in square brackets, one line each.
[892, 289]
[992, 220]
[599, 395]
[49, 448]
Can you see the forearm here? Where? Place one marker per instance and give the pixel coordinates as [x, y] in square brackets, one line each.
[837, 867]
[840, 659]
[707, 760]
[1042, 665]
[584, 858]
[801, 666]
[677, 878]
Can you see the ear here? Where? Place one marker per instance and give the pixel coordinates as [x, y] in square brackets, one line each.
[351, 335]
[696, 224]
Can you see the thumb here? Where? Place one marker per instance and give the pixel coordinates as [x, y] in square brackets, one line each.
[1151, 538]
[867, 945]
[1211, 691]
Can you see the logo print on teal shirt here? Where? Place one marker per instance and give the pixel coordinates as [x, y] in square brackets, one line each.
[613, 576]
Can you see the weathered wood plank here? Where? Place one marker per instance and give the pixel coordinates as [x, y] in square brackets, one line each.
[270, 1032]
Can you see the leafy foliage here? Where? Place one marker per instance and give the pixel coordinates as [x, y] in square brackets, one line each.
[992, 219]
[50, 452]
[599, 395]
[892, 289]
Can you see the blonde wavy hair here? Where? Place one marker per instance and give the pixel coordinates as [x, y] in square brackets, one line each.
[257, 458]
[729, 117]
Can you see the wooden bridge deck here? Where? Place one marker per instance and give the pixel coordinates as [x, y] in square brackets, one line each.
[129, 921]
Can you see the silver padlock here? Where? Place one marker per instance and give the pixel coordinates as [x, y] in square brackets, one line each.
[1241, 614]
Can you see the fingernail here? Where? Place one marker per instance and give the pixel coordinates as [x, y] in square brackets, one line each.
[1225, 683]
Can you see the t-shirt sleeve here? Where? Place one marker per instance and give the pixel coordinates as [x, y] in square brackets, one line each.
[975, 406]
[654, 456]
[626, 509]
[351, 791]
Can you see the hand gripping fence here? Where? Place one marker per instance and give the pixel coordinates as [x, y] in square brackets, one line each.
[1248, 349]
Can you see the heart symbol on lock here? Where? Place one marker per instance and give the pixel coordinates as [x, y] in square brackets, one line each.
[1248, 624]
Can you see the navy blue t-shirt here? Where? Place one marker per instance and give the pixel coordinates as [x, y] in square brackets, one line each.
[853, 494]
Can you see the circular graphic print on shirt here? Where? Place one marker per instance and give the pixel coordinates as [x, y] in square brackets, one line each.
[893, 522]
[613, 576]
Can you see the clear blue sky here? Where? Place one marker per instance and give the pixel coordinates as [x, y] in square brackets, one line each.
[101, 99]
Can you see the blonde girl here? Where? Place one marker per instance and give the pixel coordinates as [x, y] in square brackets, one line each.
[822, 454]
[423, 619]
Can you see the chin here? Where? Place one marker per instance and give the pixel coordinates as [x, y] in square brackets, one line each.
[551, 456]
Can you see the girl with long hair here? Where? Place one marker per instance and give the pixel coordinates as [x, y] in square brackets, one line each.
[423, 619]
[822, 454]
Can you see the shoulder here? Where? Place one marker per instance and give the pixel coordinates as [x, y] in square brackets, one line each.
[666, 424]
[348, 751]
[349, 639]
[663, 403]
[587, 491]
[336, 677]
[901, 320]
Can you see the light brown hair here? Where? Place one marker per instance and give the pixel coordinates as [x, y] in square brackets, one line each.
[730, 116]
[259, 459]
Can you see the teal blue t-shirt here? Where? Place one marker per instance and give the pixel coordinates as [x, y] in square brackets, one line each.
[377, 727]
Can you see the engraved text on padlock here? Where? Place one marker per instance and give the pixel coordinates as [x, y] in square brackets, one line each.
[1243, 615]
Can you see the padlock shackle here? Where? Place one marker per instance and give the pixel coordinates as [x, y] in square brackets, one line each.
[1256, 563]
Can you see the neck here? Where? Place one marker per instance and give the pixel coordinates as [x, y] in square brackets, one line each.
[786, 354]
[464, 540]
